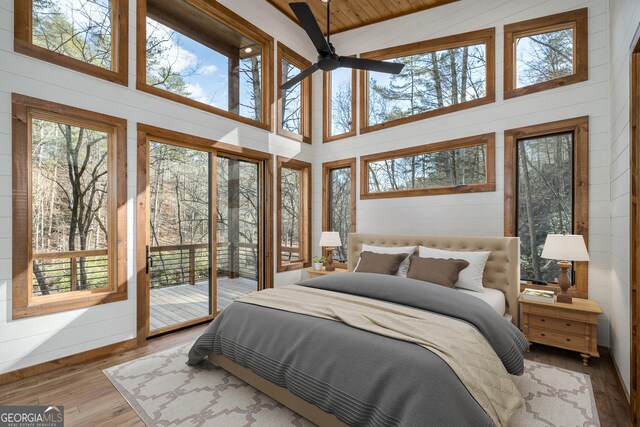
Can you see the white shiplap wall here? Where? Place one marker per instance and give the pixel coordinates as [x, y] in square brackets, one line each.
[35, 340]
[482, 213]
[624, 19]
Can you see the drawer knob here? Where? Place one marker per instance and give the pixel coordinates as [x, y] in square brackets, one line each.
[568, 339]
[568, 324]
[542, 320]
[542, 335]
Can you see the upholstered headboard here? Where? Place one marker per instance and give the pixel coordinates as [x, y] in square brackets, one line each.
[502, 271]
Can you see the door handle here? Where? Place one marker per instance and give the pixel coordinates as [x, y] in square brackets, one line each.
[149, 259]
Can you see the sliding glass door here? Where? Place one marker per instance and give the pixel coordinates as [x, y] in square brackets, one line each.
[179, 256]
[202, 214]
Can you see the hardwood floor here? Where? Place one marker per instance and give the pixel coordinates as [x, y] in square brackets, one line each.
[89, 398]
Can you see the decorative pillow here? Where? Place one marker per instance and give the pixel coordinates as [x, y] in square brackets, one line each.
[471, 277]
[407, 250]
[440, 271]
[371, 262]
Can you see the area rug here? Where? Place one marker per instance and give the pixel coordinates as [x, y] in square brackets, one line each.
[164, 391]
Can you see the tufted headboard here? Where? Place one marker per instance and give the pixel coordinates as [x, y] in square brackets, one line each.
[502, 271]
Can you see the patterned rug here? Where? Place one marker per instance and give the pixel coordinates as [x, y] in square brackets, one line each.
[165, 392]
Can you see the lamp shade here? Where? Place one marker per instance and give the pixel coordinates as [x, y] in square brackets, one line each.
[330, 239]
[565, 247]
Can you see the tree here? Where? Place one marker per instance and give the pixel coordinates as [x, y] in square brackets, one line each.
[544, 57]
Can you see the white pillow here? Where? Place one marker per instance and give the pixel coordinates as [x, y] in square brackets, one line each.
[404, 265]
[471, 277]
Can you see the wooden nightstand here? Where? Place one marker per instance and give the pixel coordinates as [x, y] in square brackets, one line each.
[569, 326]
[315, 273]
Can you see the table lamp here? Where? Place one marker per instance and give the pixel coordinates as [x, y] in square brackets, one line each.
[565, 247]
[330, 240]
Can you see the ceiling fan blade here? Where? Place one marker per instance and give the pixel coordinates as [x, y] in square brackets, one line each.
[310, 25]
[371, 65]
[297, 79]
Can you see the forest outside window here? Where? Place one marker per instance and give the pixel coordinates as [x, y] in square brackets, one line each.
[294, 214]
[459, 166]
[294, 104]
[205, 56]
[440, 76]
[86, 35]
[339, 108]
[69, 216]
[339, 203]
[545, 53]
[546, 192]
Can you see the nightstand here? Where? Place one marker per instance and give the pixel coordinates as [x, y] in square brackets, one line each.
[569, 326]
[311, 273]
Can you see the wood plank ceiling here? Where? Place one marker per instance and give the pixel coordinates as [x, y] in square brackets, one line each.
[350, 14]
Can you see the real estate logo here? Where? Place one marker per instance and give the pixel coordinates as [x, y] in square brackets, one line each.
[31, 416]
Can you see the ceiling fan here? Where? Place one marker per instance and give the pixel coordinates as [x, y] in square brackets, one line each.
[328, 60]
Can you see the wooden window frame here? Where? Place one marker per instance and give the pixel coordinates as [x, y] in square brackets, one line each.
[486, 37]
[305, 210]
[488, 139]
[326, 196]
[577, 20]
[24, 303]
[579, 126]
[287, 54]
[216, 11]
[326, 108]
[119, 73]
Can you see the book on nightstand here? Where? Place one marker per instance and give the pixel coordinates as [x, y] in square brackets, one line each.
[538, 295]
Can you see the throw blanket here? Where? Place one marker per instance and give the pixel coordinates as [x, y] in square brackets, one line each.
[459, 344]
[364, 378]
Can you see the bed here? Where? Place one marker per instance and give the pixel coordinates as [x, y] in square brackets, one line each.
[341, 349]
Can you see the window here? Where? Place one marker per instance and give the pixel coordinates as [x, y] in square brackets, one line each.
[69, 216]
[205, 56]
[339, 203]
[545, 53]
[464, 165]
[547, 191]
[440, 76]
[294, 104]
[339, 108]
[294, 214]
[85, 35]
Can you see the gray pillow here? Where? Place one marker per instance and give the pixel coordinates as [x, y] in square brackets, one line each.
[371, 262]
[440, 271]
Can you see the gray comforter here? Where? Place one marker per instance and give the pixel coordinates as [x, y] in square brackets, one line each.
[363, 378]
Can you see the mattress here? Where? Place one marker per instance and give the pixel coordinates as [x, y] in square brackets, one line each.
[493, 297]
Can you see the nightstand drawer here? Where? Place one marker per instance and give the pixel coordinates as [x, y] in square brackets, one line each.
[570, 326]
[557, 339]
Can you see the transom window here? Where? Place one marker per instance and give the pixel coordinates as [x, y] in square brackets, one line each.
[207, 57]
[69, 166]
[294, 104]
[458, 166]
[87, 35]
[439, 76]
[547, 192]
[545, 53]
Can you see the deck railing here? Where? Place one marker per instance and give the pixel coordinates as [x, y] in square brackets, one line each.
[58, 272]
[189, 264]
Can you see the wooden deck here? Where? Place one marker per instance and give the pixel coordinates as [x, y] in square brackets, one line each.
[181, 303]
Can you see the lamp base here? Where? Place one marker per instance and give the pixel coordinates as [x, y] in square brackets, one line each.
[565, 283]
[330, 266]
